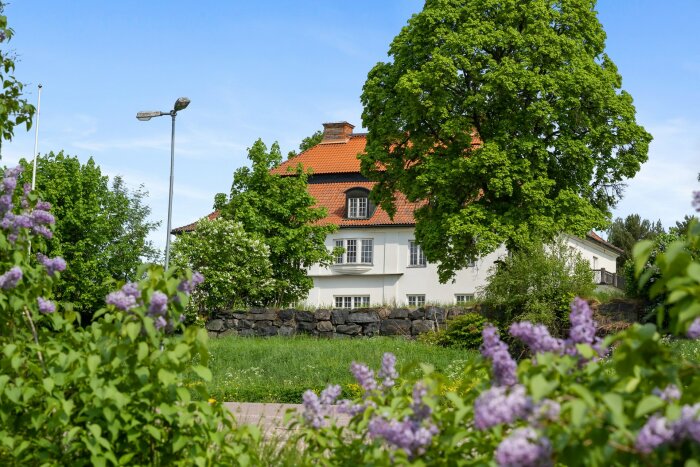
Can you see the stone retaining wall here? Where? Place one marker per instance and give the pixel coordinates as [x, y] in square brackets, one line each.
[331, 323]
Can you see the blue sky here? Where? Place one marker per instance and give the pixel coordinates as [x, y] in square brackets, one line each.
[276, 70]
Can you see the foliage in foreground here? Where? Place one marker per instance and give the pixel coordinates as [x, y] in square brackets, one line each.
[626, 400]
[536, 284]
[507, 118]
[108, 393]
[463, 331]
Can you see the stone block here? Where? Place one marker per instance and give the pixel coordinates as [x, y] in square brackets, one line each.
[266, 331]
[240, 315]
[286, 315]
[349, 329]
[395, 327]
[454, 312]
[337, 335]
[245, 324]
[326, 335]
[322, 315]
[324, 326]
[420, 326]
[435, 313]
[418, 313]
[287, 331]
[269, 315]
[363, 317]
[215, 325]
[370, 329]
[231, 323]
[399, 313]
[306, 326]
[303, 315]
[246, 333]
[213, 334]
[339, 316]
[228, 332]
[384, 313]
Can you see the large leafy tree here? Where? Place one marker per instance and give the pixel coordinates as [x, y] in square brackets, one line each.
[624, 233]
[505, 119]
[281, 211]
[101, 229]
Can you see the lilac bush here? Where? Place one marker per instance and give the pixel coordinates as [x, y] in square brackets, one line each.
[524, 447]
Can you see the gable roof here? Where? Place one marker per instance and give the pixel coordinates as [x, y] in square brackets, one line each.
[328, 158]
[595, 238]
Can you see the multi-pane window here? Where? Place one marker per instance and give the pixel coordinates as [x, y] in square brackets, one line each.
[357, 208]
[415, 254]
[356, 251]
[416, 300]
[462, 298]
[352, 301]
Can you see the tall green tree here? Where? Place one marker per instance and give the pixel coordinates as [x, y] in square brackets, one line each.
[625, 233]
[506, 119]
[281, 211]
[307, 143]
[14, 109]
[101, 230]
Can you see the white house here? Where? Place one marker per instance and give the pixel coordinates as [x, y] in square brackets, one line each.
[382, 264]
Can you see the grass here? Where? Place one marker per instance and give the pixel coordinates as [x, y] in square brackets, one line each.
[281, 369]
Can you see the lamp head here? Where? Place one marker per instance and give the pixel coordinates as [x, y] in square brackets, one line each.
[181, 104]
[145, 116]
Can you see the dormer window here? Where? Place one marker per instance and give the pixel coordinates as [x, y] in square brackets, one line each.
[358, 205]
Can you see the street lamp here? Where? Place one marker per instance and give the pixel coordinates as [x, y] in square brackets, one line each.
[180, 104]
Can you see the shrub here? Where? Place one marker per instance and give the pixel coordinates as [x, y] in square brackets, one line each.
[463, 331]
[110, 392]
[537, 284]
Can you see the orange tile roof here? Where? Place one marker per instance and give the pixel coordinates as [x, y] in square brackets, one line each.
[598, 239]
[193, 225]
[332, 197]
[328, 158]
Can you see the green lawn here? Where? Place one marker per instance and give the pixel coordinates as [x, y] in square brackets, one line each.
[281, 369]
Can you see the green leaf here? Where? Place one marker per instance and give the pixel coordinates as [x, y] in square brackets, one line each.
[203, 372]
[93, 362]
[540, 387]
[641, 252]
[578, 412]
[48, 384]
[166, 377]
[647, 405]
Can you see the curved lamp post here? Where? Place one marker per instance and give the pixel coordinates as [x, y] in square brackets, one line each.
[180, 104]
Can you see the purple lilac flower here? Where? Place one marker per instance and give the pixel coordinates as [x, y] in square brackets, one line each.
[330, 394]
[52, 265]
[694, 329]
[9, 184]
[43, 231]
[655, 432]
[582, 325]
[504, 367]
[669, 393]
[421, 410]
[524, 448]
[536, 337]
[188, 286]
[131, 289]
[350, 408]
[121, 300]
[501, 404]
[409, 435]
[5, 203]
[159, 303]
[46, 306]
[387, 372]
[22, 221]
[42, 217]
[160, 323]
[364, 376]
[689, 424]
[546, 409]
[313, 410]
[10, 279]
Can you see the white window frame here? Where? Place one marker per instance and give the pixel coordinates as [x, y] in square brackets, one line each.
[351, 302]
[462, 298]
[416, 258]
[358, 207]
[415, 300]
[356, 250]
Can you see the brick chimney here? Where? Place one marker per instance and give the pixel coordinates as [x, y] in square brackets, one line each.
[336, 132]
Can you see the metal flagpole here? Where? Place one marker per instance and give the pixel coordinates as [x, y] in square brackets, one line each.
[36, 138]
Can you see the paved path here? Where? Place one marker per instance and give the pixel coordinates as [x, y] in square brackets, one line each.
[270, 417]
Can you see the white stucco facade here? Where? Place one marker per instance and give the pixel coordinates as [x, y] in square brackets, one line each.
[390, 279]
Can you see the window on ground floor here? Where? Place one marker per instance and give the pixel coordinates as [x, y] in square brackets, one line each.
[416, 300]
[351, 302]
[462, 298]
